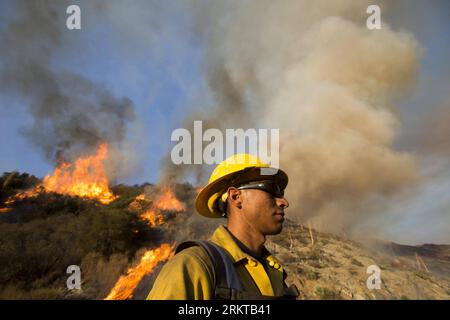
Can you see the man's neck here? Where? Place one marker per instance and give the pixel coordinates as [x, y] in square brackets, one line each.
[252, 240]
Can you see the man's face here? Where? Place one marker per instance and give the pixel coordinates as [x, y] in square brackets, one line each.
[264, 211]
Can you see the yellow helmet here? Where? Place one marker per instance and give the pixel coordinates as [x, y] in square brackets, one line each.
[238, 168]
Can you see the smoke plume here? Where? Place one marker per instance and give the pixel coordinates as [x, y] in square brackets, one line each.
[309, 68]
[313, 70]
[71, 114]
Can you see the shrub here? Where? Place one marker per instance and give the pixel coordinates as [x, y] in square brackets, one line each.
[325, 293]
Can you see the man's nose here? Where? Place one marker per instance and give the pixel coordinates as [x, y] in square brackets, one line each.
[282, 202]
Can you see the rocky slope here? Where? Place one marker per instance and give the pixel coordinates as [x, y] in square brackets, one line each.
[336, 268]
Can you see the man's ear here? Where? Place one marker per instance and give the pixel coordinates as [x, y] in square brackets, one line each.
[235, 197]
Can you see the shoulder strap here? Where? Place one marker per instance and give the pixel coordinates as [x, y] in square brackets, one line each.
[225, 275]
[227, 285]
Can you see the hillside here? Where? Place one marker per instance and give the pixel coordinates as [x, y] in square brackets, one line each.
[119, 247]
[335, 268]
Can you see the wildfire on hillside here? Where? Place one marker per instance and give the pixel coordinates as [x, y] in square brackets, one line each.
[124, 287]
[85, 177]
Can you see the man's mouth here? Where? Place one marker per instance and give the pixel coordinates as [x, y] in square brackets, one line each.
[281, 214]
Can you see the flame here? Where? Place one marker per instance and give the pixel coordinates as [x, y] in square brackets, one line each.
[152, 218]
[85, 178]
[167, 201]
[4, 210]
[22, 195]
[124, 287]
[140, 197]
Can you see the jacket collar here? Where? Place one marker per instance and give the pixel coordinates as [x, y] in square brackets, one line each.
[223, 238]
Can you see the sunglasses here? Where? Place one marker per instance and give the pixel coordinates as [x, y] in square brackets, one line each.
[268, 185]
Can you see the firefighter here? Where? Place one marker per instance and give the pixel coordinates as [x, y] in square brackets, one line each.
[233, 264]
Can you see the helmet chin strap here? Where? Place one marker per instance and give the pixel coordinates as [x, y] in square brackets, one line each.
[222, 206]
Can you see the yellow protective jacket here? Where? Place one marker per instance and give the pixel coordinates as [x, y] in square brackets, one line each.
[189, 275]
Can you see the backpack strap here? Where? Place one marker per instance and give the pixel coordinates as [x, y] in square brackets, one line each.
[226, 279]
[227, 285]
